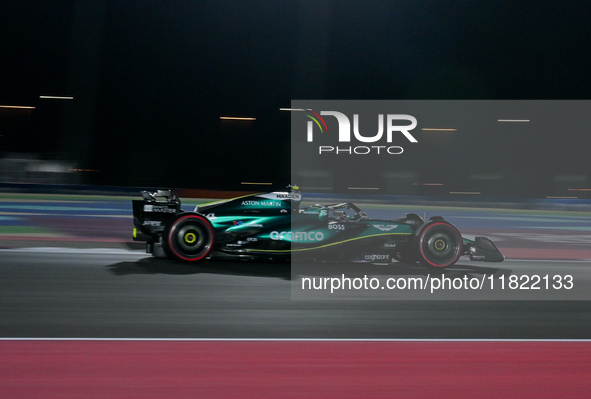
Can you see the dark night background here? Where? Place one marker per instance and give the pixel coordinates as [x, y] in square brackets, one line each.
[150, 79]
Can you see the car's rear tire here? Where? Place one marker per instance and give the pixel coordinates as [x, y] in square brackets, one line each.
[438, 244]
[189, 238]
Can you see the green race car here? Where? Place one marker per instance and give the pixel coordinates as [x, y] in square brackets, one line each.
[272, 226]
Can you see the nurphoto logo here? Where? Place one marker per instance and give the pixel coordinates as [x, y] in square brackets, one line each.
[344, 133]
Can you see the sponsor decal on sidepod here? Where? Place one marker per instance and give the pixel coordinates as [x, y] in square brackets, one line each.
[297, 235]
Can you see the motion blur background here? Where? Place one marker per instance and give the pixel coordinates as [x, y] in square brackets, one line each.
[132, 93]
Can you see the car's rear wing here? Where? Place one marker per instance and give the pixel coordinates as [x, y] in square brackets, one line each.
[152, 213]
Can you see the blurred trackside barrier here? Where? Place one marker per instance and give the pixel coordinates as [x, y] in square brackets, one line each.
[579, 205]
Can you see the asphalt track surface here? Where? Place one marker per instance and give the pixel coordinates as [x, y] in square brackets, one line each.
[125, 294]
[112, 315]
[66, 270]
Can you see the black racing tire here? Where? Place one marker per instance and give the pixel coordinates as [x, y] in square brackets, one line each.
[189, 238]
[438, 244]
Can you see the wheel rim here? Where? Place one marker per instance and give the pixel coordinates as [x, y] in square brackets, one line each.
[440, 245]
[190, 238]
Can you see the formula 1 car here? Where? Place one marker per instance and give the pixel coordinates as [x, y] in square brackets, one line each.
[272, 226]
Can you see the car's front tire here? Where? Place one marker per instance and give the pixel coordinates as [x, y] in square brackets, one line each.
[438, 244]
[190, 238]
